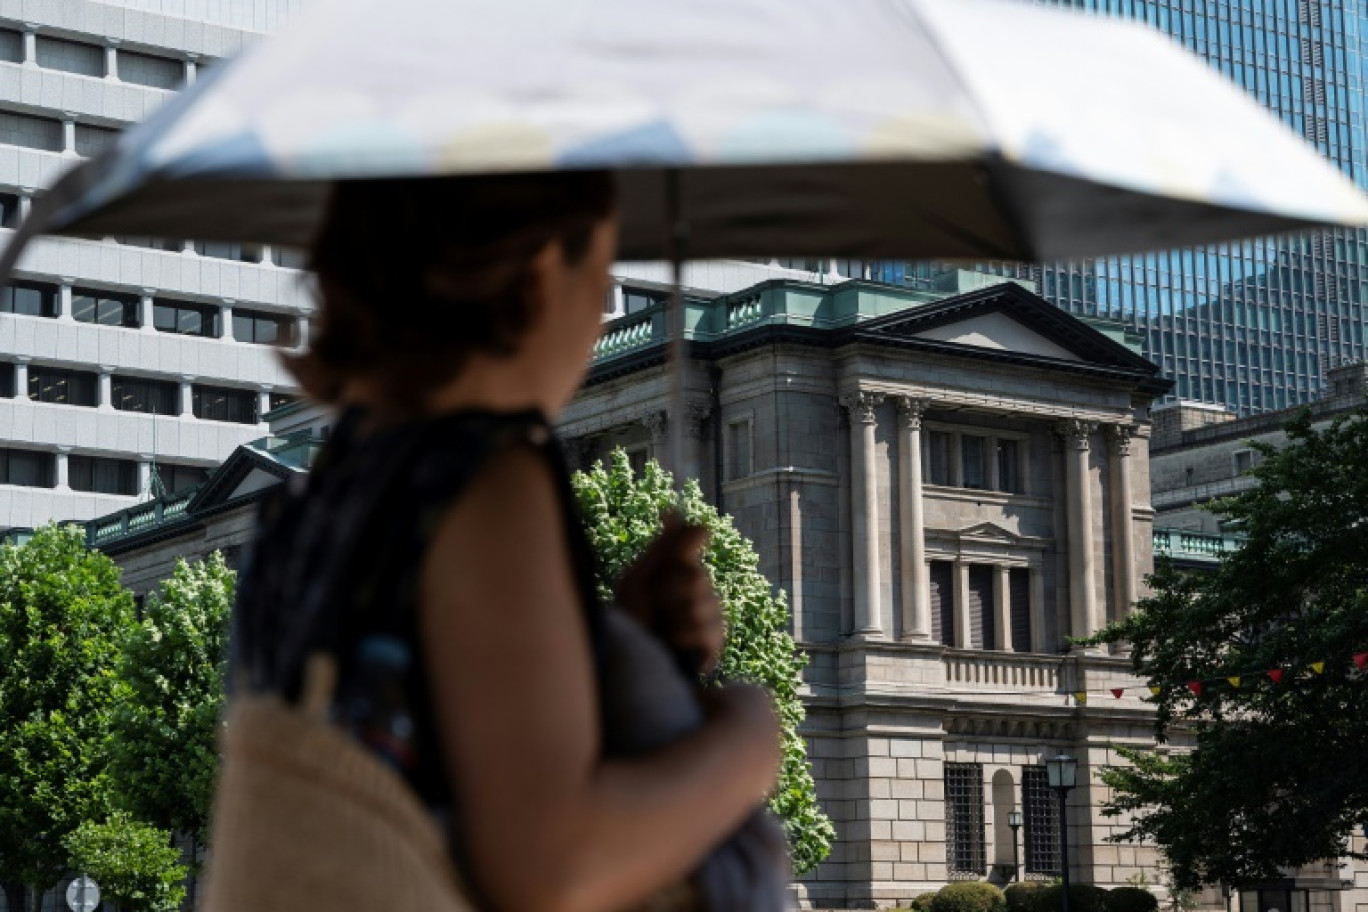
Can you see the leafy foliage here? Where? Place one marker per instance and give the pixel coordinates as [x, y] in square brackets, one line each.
[1021, 897]
[1131, 899]
[164, 755]
[969, 896]
[1082, 898]
[623, 514]
[922, 903]
[63, 620]
[134, 864]
[1274, 778]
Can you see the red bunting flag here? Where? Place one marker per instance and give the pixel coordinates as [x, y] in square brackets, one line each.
[1276, 675]
[1118, 691]
[1195, 687]
[1361, 660]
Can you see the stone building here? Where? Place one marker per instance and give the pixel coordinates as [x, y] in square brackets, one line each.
[947, 484]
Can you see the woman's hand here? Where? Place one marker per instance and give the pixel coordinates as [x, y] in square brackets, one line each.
[669, 591]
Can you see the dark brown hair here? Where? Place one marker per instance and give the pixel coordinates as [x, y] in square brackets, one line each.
[416, 275]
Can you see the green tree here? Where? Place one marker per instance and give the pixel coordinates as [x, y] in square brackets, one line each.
[134, 864]
[1274, 777]
[63, 620]
[623, 514]
[164, 753]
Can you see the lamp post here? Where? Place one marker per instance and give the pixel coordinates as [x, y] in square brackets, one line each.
[1014, 821]
[1061, 773]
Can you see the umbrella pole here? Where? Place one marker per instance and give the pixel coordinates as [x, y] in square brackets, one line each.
[676, 242]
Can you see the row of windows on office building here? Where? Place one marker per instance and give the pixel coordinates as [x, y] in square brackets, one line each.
[91, 474]
[109, 61]
[184, 318]
[966, 848]
[61, 386]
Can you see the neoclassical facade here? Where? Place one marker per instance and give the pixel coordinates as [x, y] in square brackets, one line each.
[947, 487]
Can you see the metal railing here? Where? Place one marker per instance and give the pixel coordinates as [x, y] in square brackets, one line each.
[1207, 546]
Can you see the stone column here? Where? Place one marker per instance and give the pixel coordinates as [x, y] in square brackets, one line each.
[695, 429]
[658, 423]
[64, 299]
[619, 304]
[112, 59]
[145, 313]
[864, 511]
[68, 133]
[1123, 520]
[21, 378]
[267, 255]
[915, 576]
[25, 203]
[106, 393]
[191, 69]
[1083, 615]
[961, 604]
[145, 473]
[263, 404]
[226, 320]
[187, 397]
[30, 44]
[1002, 609]
[303, 332]
[63, 469]
[1039, 643]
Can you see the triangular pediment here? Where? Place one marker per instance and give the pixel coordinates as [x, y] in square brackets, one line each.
[999, 331]
[1006, 321]
[989, 532]
[247, 471]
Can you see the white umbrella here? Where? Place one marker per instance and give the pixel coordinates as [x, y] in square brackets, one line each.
[860, 128]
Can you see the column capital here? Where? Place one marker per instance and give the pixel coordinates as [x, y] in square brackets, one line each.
[911, 410]
[1120, 437]
[657, 423]
[1075, 432]
[861, 405]
[696, 415]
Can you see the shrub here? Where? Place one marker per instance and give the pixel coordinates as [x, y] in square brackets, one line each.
[969, 896]
[1132, 899]
[1082, 898]
[1021, 897]
[922, 903]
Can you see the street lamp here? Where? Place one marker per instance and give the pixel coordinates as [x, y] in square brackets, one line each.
[1014, 821]
[1061, 773]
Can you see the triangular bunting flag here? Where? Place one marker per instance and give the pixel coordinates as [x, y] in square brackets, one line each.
[1082, 697]
[1234, 680]
[1195, 687]
[1118, 691]
[1276, 675]
[1318, 667]
[1156, 691]
[1361, 660]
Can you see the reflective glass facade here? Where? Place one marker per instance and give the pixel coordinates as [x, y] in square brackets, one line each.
[1252, 325]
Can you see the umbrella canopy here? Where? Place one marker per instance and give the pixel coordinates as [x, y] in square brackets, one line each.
[865, 128]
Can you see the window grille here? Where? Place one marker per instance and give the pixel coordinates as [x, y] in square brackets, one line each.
[1041, 819]
[964, 826]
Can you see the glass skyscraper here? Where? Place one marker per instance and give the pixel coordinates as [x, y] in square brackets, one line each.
[1252, 325]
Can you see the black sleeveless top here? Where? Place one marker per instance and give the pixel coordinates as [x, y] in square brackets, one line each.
[335, 567]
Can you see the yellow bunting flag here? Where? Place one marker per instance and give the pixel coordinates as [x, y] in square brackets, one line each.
[1081, 696]
[1318, 667]
[1156, 690]
[1234, 680]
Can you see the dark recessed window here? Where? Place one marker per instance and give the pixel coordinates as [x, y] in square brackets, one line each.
[280, 400]
[42, 133]
[64, 387]
[27, 468]
[174, 246]
[71, 56]
[102, 476]
[635, 300]
[224, 250]
[291, 258]
[91, 141]
[178, 478]
[6, 381]
[30, 299]
[151, 71]
[151, 397]
[11, 46]
[217, 403]
[1042, 821]
[104, 308]
[184, 318]
[263, 328]
[9, 210]
[964, 829]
